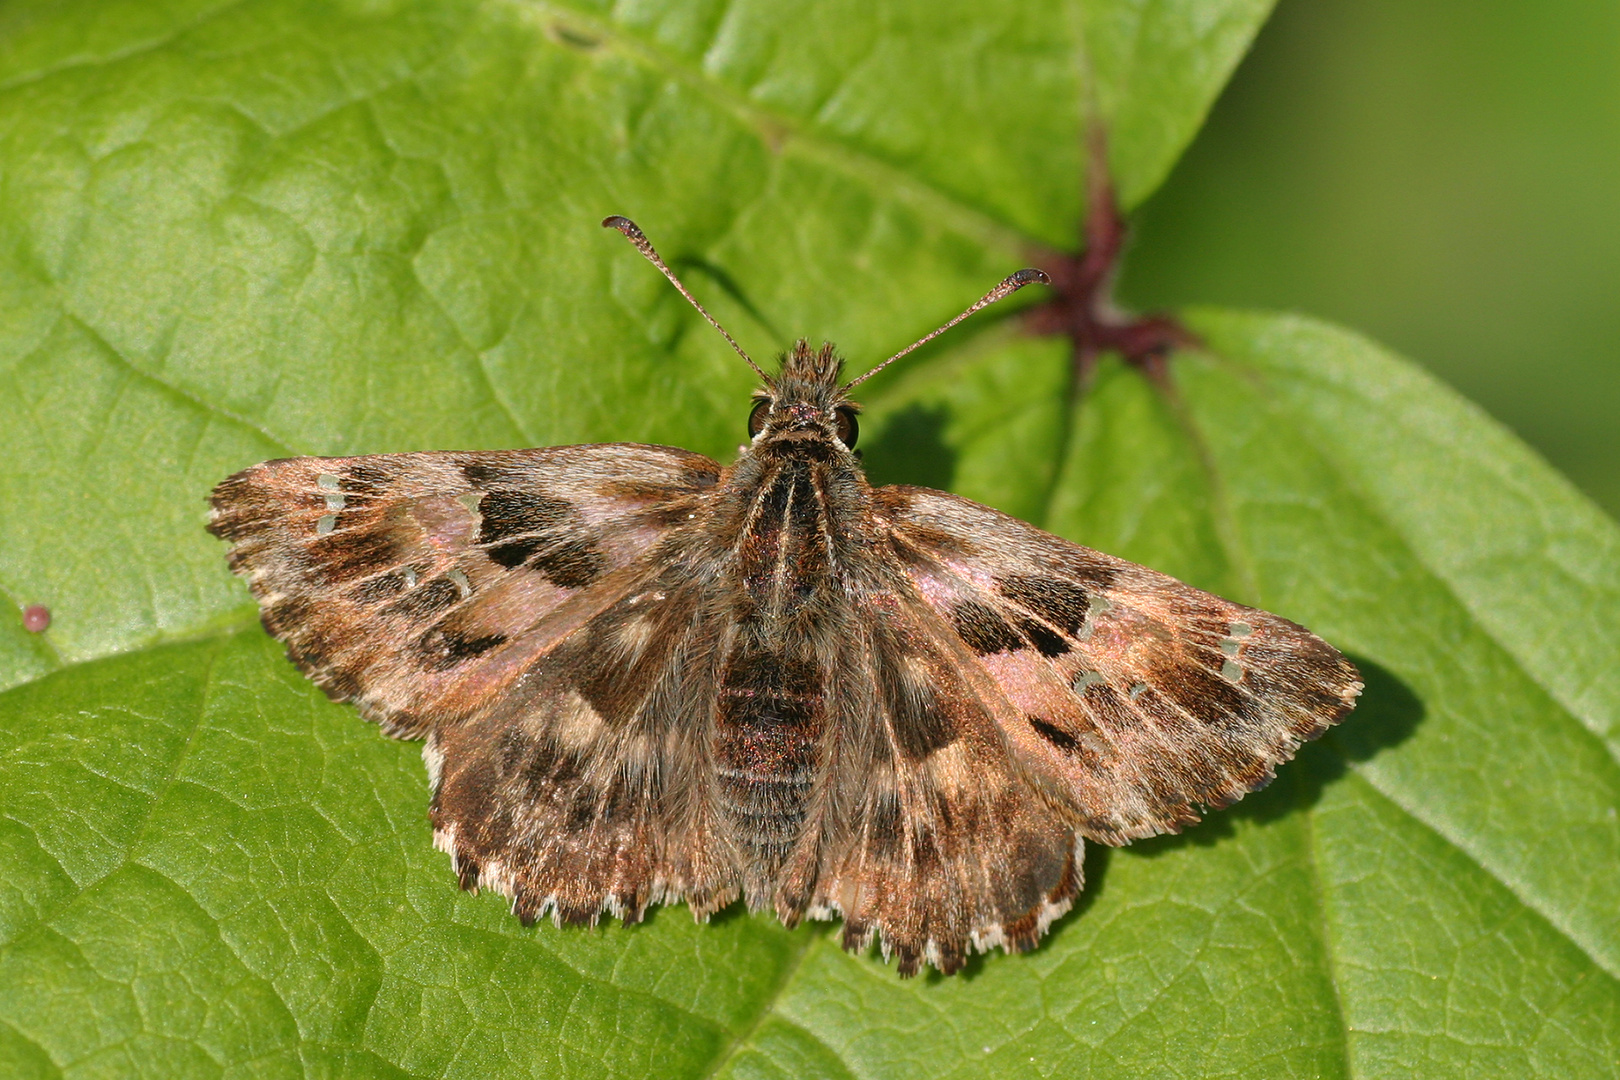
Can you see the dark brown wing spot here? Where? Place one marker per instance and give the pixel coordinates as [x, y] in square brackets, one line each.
[345, 556]
[1059, 602]
[1054, 735]
[444, 647]
[1048, 643]
[514, 553]
[983, 629]
[378, 589]
[1203, 694]
[549, 769]
[921, 726]
[507, 512]
[572, 564]
[519, 527]
[427, 600]
[615, 674]
[592, 805]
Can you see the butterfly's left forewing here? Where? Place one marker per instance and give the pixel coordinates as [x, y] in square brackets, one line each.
[420, 585]
[1133, 698]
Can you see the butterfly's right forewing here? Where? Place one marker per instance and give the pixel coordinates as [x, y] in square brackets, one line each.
[1135, 698]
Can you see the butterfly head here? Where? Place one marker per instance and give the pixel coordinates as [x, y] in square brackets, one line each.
[805, 401]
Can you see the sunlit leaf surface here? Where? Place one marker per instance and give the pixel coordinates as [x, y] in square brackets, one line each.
[234, 231]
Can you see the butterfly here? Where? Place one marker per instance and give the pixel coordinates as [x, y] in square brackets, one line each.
[643, 677]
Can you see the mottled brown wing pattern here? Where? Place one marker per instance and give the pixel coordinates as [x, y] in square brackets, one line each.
[950, 846]
[1133, 698]
[587, 785]
[419, 585]
[644, 678]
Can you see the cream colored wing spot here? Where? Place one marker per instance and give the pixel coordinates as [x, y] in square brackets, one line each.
[331, 486]
[1099, 605]
[576, 724]
[634, 635]
[1231, 645]
[1085, 680]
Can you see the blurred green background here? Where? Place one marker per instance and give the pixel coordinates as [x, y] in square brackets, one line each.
[1442, 175]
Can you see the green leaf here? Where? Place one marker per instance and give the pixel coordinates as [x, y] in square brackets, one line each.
[238, 231]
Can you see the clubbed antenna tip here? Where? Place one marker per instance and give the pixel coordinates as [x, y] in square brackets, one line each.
[1009, 285]
[632, 232]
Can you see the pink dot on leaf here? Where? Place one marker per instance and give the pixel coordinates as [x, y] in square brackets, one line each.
[36, 617]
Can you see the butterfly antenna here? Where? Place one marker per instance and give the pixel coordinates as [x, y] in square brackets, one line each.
[1009, 285]
[632, 232]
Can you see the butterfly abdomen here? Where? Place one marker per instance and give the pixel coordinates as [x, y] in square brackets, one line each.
[771, 715]
[770, 718]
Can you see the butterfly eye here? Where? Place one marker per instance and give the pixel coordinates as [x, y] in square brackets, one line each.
[848, 429]
[756, 419]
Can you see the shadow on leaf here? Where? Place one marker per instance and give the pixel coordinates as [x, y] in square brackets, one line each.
[1386, 716]
[684, 269]
[911, 449]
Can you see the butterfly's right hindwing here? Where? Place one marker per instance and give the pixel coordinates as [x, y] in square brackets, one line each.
[950, 848]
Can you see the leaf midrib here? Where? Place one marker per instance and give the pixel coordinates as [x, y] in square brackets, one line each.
[780, 132]
[767, 1008]
[154, 44]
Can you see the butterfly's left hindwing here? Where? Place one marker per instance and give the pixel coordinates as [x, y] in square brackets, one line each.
[587, 786]
[418, 585]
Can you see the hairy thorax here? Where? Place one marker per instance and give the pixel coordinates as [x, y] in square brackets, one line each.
[797, 503]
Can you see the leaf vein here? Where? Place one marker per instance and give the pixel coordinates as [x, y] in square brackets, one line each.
[782, 132]
[768, 1006]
